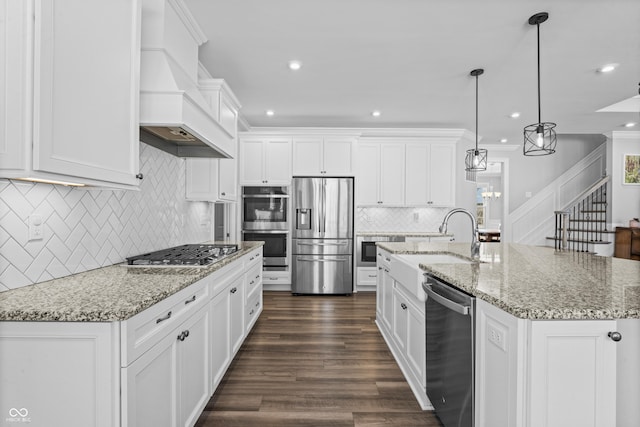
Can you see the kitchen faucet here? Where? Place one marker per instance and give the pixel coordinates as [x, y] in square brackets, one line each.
[475, 243]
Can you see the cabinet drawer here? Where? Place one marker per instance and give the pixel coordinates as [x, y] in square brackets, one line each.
[276, 277]
[145, 329]
[253, 310]
[253, 258]
[254, 281]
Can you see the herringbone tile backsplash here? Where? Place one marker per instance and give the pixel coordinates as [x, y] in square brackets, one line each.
[90, 228]
[399, 219]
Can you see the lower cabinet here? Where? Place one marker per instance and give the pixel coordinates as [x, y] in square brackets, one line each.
[549, 372]
[158, 368]
[169, 384]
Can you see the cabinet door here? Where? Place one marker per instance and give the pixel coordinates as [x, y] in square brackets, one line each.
[202, 179]
[387, 298]
[236, 314]
[86, 89]
[149, 387]
[278, 162]
[307, 156]
[442, 175]
[193, 367]
[368, 179]
[338, 157]
[572, 373]
[228, 178]
[417, 174]
[220, 337]
[400, 316]
[252, 162]
[392, 174]
[415, 349]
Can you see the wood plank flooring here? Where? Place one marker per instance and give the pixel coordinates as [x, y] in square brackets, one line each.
[315, 361]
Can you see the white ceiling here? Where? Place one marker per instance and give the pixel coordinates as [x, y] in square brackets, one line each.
[411, 60]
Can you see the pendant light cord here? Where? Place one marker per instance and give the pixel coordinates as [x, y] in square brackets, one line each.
[539, 113]
[477, 113]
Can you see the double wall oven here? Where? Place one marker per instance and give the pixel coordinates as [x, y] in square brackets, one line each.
[265, 217]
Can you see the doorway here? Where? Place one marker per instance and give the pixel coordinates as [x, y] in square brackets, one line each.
[492, 203]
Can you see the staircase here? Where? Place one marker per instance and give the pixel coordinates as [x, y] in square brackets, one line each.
[583, 223]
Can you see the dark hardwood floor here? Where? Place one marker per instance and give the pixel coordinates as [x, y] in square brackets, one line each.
[315, 361]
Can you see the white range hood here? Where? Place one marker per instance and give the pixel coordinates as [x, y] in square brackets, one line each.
[174, 116]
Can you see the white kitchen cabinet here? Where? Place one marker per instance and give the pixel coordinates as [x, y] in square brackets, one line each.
[544, 372]
[385, 289]
[169, 384]
[47, 366]
[409, 332]
[366, 278]
[381, 174]
[70, 89]
[265, 161]
[324, 156]
[211, 180]
[236, 315]
[216, 180]
[430, 174]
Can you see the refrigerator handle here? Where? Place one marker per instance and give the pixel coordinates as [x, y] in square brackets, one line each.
[324, 206]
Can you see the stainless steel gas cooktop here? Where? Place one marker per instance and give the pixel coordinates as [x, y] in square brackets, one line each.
[184, 256]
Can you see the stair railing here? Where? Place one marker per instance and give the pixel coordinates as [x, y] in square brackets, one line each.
[584, 220]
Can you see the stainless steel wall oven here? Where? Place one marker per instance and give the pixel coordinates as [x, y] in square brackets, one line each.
[265, 217]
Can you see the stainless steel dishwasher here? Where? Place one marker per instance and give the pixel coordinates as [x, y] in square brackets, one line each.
[450, 342]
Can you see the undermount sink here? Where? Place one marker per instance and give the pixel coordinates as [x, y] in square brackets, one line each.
[434, 259]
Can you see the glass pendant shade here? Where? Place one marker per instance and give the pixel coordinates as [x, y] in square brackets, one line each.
[476, 160]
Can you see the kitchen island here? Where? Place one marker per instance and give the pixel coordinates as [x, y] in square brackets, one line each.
[125, 346]
[543, 351]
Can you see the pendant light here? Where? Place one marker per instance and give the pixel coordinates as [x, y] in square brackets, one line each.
[476, 159]
[539, 138]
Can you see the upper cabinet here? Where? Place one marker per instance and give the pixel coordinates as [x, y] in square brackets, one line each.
[324, 156]
[265, 161]
[209, 179]
[69, 82]
[416, 173]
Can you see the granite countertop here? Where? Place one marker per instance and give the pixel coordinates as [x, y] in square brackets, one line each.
[106, 294]
[403, 233]
[533, 282]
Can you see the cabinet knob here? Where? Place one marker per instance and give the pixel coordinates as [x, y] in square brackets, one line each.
[615, 336]
[224, 194]
[139, 176]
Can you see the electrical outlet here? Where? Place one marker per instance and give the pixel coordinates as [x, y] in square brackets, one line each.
[527, 194]
[416, 217]
[36, 227]
[497, 336]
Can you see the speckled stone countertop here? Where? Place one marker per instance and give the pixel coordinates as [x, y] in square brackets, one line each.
[106, 294]
[403, 233]
[534, 282]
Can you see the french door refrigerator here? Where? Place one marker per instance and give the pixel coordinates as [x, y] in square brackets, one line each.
[322, 235]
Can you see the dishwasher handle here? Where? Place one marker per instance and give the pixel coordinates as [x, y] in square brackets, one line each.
[451, 305]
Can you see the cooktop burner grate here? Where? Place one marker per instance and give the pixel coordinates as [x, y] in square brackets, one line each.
[185, 255]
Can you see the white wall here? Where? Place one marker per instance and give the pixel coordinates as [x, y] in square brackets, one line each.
[90, 228]
[532, 174]
[625, 199]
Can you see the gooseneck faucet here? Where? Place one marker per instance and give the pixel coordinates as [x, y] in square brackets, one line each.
[475, 243]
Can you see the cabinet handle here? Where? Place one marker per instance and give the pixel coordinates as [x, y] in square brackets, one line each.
[162, 319]
[252, 282]
[224, 194]
[251, 312]
[139, 176]
[258, 304]
[190, 300]
[273, 278]
[404, 306]
[386, 271]
[183, 335]
[373, 276]
[387, 259]
[379, 268]
[257, 277]
[252, 258]
[615, 336]
[233, 290]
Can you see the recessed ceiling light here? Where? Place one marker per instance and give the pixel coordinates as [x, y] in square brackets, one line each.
[607, 68]
[295, 65]
[629, 125]
[375, 113]
[503, 140]
[270, 113]
[514, 115]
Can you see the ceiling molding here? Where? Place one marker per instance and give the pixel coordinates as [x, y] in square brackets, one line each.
[368, 133]
[189, 21]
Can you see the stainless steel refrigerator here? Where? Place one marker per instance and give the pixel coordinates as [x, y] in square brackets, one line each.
[322, 236]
